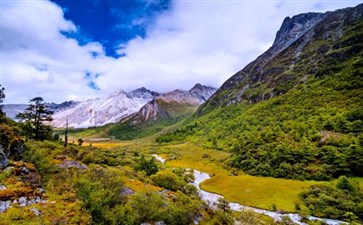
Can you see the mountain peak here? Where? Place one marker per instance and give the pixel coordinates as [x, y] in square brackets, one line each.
[301, 49]
[118, 92]
[202, 92]
[143, 93]
[294, 27]
[197, 85]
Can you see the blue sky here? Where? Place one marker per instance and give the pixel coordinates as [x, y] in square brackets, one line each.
[80, 49]
[110, 22]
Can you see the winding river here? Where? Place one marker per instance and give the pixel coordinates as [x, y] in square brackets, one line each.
[211, 199]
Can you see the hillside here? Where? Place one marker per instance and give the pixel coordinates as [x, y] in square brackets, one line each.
[297, 110]
[307, 45]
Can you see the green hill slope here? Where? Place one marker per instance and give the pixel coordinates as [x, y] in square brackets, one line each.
[297, 110]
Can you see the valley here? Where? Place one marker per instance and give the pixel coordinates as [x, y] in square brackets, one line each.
[266, 193]
[283, 136]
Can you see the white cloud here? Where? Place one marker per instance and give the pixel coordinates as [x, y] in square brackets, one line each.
[196, 41]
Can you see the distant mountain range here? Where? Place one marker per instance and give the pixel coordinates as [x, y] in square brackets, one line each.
[12, 110]
[172, 104]
[102, 111]
[137, 106]
[164, 110]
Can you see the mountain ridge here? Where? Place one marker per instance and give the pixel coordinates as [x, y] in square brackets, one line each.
[297, 31]
[297, 115]
[164, 110]
[172, 104]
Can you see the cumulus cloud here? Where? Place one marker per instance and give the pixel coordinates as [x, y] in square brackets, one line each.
[195, 41]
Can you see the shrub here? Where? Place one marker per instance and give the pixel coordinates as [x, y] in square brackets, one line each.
[168, 180]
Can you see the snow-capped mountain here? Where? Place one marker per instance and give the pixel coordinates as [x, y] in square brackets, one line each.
[172, 105]
[102, 111]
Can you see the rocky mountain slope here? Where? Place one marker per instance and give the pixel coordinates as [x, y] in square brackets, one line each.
[102, 111]
[296, 111]
[172, 104]
[165, 109]
[288, 62]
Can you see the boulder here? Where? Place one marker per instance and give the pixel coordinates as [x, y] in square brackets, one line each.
[4, 162]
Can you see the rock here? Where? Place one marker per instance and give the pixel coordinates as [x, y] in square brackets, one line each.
[35, 211]
[17, 151]
[4, 162]
[160, 223]
[127, 191]
[4, 205]
[40, 190]
[22, 201]
[37, 200]
[24, 170]
[72, 164]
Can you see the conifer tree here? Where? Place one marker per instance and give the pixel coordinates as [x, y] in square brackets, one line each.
[33, 119]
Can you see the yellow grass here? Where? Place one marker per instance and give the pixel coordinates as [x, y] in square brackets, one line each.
[137, 185]
[261, 192]
[108, 145]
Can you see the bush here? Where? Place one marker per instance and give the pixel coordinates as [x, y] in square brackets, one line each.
[101, 191]
[146, 206]
[147, 165]
[41, 157]
[168, 180]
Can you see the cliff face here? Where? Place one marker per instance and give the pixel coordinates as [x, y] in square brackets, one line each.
[303, 45]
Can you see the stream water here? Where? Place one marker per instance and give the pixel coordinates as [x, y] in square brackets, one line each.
[212, 199]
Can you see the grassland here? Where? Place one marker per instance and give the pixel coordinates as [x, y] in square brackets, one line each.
[260, 192]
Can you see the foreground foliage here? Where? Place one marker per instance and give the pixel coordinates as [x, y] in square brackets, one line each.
[342, 201]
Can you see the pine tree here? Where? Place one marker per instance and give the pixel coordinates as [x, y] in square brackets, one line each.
[33, 119]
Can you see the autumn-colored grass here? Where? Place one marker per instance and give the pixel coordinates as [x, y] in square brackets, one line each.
[137, 185]
[108, 144]
[260, 192]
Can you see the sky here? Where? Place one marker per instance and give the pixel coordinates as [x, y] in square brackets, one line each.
[81, 49]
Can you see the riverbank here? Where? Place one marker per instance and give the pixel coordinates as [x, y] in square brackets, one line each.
[212, 199]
